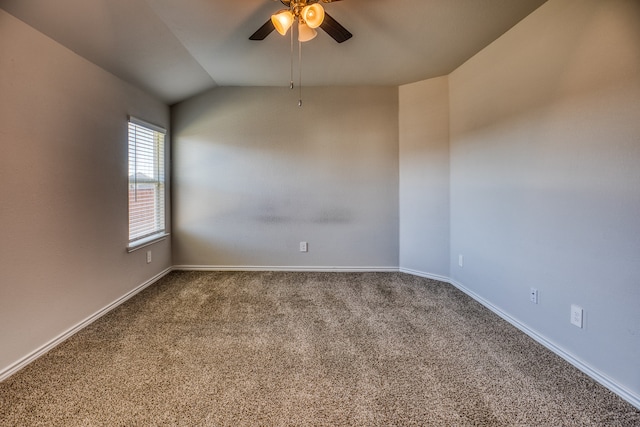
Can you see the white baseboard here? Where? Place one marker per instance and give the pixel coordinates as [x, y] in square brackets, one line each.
[15, 367]
[332, 269]
[425, 275]
[595, 374]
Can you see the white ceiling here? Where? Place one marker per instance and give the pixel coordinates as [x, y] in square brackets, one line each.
[177, 48]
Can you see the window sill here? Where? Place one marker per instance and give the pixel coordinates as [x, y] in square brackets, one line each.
[139, 244]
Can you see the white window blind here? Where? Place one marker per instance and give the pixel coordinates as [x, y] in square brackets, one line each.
[146, 181]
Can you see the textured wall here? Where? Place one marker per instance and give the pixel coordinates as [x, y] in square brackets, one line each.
[545, 178]
[63, 190]
[424, 176]
[254, 175]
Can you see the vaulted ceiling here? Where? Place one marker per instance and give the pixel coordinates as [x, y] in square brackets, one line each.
[177, 48]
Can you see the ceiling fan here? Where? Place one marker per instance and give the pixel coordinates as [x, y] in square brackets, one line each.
[310, 15]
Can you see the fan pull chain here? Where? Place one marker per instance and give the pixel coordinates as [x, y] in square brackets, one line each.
[300, 73]
[291, 81]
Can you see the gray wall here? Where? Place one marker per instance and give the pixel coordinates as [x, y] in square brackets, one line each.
[424, 177]
[545, 178]
[63, 190]
[254, 175]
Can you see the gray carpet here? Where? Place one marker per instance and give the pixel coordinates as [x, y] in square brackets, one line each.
[304, 349]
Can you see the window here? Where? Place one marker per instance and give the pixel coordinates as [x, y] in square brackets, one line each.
[146, 183]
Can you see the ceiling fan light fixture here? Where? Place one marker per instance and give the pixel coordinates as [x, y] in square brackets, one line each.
[305, 33]
[282, 20]
[313, 15]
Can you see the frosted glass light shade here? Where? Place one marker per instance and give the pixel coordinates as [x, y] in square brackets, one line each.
[313, 15]
[305, 33]
[282, 20]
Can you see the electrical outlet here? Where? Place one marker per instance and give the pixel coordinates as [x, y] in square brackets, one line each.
[148, 257]
[576, 315]
[533, 295]
[460, 261]
[304, 247]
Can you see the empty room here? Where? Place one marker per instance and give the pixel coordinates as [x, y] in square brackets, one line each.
[320, 212]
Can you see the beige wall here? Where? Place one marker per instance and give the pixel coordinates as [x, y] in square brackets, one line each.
[63, 190]
[254, 175]
[424, 177]
[545, 179]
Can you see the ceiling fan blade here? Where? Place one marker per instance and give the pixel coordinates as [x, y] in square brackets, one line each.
[334, 29]
[263, 31]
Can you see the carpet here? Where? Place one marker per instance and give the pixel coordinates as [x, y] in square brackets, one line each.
[292, 349]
